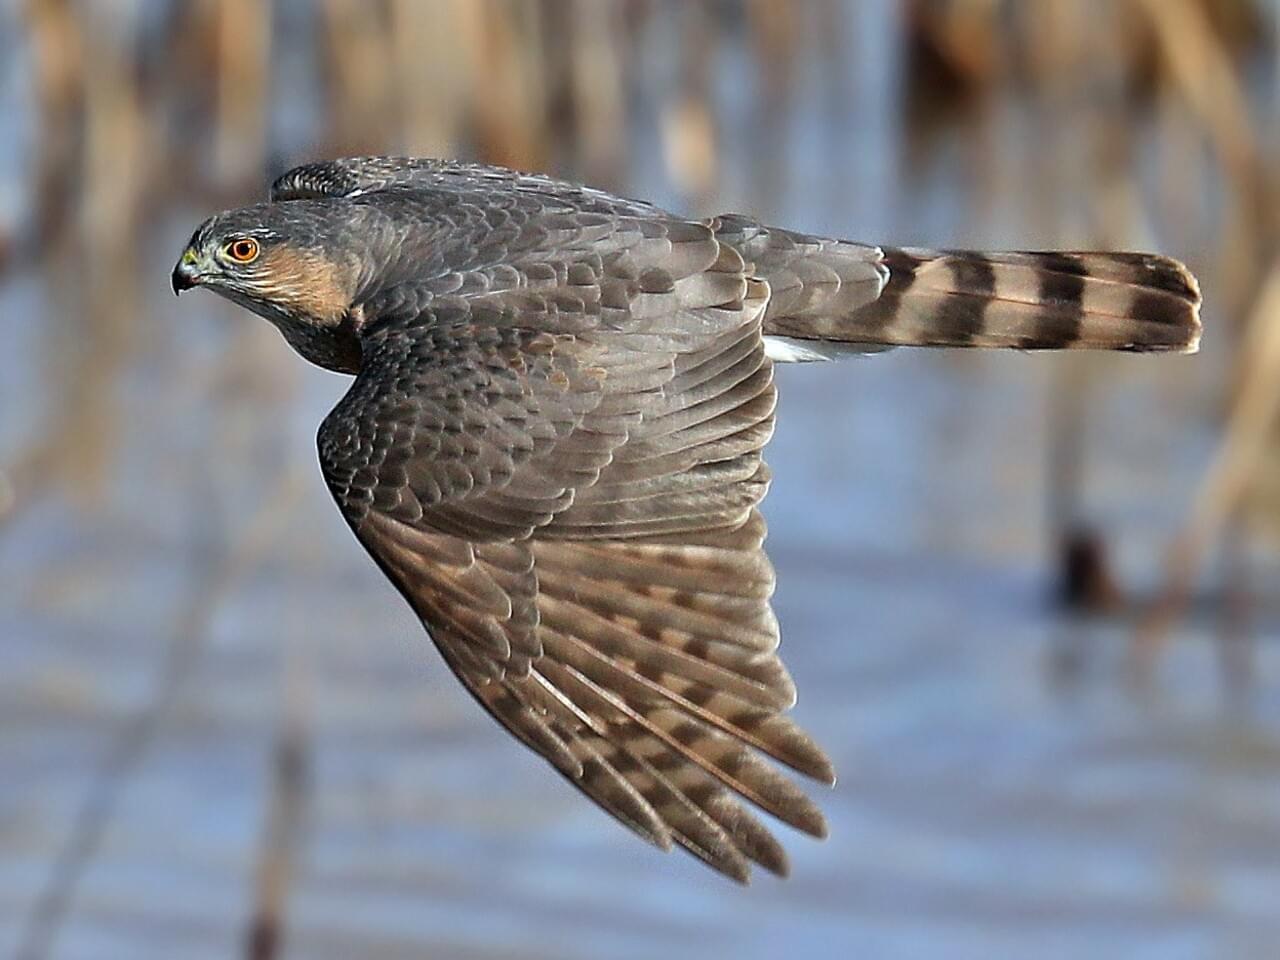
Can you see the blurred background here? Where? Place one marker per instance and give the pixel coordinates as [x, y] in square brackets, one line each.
[1031, 602]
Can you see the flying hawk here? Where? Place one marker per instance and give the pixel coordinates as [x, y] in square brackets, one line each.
[552, 444]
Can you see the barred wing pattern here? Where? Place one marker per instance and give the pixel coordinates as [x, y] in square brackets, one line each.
[563, 482]
[553, 448]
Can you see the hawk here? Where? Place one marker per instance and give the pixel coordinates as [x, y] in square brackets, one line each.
[552, 444]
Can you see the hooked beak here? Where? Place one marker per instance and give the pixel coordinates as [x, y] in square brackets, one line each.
[186, 274]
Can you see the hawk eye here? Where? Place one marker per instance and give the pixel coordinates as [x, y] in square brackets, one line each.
[242, 250]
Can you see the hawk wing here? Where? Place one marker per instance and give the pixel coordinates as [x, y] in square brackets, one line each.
[561, 474]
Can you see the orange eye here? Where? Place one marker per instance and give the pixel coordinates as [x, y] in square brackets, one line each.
[243, 250]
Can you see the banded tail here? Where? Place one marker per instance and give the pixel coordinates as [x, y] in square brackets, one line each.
[955, 298]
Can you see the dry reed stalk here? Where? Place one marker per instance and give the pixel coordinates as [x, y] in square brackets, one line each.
[775, 37]
[959, 38]
[1201, 69]
[1086, 143]
[358, 49]
[431, 73]
[55, 35]
[690, 144]
[508, 87]
[285, 814]
[1249, 431]
[1236, 648]
[114, 175]
[51, 457]
[243, 77]
[595, 77]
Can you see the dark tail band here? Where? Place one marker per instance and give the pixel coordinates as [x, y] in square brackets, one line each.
[1026, 301]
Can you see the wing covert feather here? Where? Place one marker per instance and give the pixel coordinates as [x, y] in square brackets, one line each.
[568, 501]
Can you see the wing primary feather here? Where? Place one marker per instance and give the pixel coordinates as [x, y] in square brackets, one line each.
[744, 829]
[690, 826]
[518, 717]
[606, 785]
[771, 733]
[736, 676]
[721, 756]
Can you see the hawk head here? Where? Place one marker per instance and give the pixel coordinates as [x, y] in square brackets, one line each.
[297, 264]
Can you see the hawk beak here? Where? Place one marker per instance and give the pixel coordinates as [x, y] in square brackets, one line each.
[185, 275]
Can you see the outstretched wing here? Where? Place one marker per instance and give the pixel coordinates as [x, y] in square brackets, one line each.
[561, 474]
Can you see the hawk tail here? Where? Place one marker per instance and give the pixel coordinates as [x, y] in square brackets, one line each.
[1025, 301]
